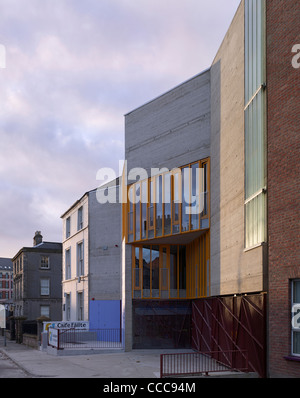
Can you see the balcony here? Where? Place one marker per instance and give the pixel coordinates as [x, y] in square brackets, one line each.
[169, 204]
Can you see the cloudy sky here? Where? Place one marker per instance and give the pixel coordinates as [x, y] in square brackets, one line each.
[73, 69]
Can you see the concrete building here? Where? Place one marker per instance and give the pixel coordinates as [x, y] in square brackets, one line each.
[6, 280]
[200, 256]
[91, 260]
[37, 280]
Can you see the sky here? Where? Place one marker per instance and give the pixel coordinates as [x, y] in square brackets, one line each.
[73, 69]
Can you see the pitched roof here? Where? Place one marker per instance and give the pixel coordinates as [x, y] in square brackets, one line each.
[5, 263]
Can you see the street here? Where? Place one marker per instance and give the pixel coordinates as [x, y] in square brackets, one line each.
[8, 369]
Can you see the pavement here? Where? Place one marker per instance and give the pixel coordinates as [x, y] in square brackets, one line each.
[39, 364]
[23, 361]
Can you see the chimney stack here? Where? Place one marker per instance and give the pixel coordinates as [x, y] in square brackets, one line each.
[37, 238]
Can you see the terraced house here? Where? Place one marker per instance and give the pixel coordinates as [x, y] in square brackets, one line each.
[209, 238]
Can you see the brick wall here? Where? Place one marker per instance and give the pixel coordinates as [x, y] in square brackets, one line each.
[283, 82]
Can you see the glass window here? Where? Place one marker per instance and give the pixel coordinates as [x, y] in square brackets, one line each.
[176, 203]
[155, 271]
[195, 200]
[80, 306]
[80, 262]
[68, 227]
[159, 205]
[45, 311]
[80, 218]
[146, 271]
[173, 272]
[255, 135]
[137, 268]
[68, 307]
[151, 211]
[296, 317]
[68, 264]
[144, 208]
[182, 271]
[137, 212]
[167, 203]
[45, 287]
[130, 215]
[164, 274]
[45, 262]
[185, 216]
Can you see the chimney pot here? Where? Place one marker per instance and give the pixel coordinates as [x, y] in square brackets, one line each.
[37, 238]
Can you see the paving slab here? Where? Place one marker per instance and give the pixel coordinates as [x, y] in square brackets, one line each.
[133, 364]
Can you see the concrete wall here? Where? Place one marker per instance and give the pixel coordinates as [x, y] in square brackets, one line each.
[173, 129]
[233, 270]
[104, 249]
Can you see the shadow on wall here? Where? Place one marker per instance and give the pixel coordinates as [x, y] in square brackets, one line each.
[215, 179]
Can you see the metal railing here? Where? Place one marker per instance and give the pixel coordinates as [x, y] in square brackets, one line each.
[196, 363]
[92, 338]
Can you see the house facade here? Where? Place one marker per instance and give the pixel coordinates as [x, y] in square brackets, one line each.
[6, 280]
[91, 260]
[201, 239]
[37, 280]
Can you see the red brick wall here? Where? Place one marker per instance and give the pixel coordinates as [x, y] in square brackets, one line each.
[283, 88]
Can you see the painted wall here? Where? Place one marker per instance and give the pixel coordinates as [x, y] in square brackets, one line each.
[73, 285]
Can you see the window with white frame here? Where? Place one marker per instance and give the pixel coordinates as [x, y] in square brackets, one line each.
[45, 262]
[68, 227]
[68, 306]
[296, 317]
[80, 263]
[80, 218]
[45, 287]
[80, 306]
[68, 264]
[45, 311]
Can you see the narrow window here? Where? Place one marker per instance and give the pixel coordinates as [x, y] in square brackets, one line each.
[68, 306]
[80, 306]
[68, 227]
[159, 205]
[255, 131]
[45, 311]
[45, 287]
[80, 218]
[167, 203]
[296, 317]
[80, 263]
[68, 264]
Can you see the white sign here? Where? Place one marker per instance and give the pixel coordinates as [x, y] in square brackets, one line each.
[83, 325]
[53, 337]
[2, 317]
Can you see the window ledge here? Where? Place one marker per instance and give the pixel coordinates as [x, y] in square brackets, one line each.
[255, 246]
[292, 358]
